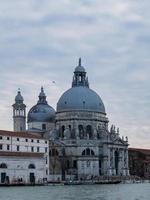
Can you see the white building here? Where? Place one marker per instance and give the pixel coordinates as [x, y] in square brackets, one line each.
[23, 158]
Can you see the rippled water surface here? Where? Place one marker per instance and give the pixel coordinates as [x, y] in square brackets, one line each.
[78, 192]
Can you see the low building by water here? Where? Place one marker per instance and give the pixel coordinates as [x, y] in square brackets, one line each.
[23, 158]
[139, 162]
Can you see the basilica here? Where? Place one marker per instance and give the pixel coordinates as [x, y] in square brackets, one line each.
[81, 144]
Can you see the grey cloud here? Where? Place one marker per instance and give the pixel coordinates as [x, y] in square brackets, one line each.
[42, 42]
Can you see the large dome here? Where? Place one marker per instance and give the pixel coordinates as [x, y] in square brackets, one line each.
[80, 98]
[41, 112]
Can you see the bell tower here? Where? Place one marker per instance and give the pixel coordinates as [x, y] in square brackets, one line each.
[19, 113]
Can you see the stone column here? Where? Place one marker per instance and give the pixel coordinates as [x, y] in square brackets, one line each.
[109, 162]
[110, 158]
[120, 163]
[105, 160]
[95, 134]
[76, 130]
[113, 155]
[127, 164]
[125, 160]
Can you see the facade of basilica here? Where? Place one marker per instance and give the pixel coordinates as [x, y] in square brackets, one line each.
[81, 146]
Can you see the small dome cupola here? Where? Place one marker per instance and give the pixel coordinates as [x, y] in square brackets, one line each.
[79, 68]
[19, 97]
[79, 78]
[41, 112]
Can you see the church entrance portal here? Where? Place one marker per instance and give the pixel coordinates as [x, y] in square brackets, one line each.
[116, 161]
[3, 177]
[32, 178]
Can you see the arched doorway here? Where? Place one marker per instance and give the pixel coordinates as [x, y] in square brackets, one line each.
[81, 131]
[3, 174]
[32, 174]
[62, 131]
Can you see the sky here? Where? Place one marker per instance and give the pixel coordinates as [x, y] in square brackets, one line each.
[41, 41]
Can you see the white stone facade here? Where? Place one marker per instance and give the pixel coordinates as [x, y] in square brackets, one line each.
[39, 126]
[82, 146]
[18, 169]
[100, 152]
[19, 150]
[24, 144]
[19, 123]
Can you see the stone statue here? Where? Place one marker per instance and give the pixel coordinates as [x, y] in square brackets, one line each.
[67, 133]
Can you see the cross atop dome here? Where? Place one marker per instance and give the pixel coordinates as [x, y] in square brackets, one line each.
[80, 68]
[79, 61]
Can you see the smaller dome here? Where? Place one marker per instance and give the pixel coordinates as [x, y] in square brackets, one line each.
[19, 97]
[41, 112]
[79, 68]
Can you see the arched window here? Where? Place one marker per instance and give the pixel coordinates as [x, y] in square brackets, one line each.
[3, 165]
[83, 153]
[43, 126]
[88, 152]
[89, 131]
[92, 153]
[62, 131]
[63, 152]
[68, 164]
[53, 152]
[81, 131]
[31, 166]
[70, 127]
[98, 132]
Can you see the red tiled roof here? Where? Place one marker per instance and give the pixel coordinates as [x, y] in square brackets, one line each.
[21, 154]
[19, 134]
[145, 151]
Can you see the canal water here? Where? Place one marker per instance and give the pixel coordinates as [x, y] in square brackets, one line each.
[140, 191]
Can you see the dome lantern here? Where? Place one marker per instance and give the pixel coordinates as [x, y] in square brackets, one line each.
[19, 97]
[42, 97]
[79, 78]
